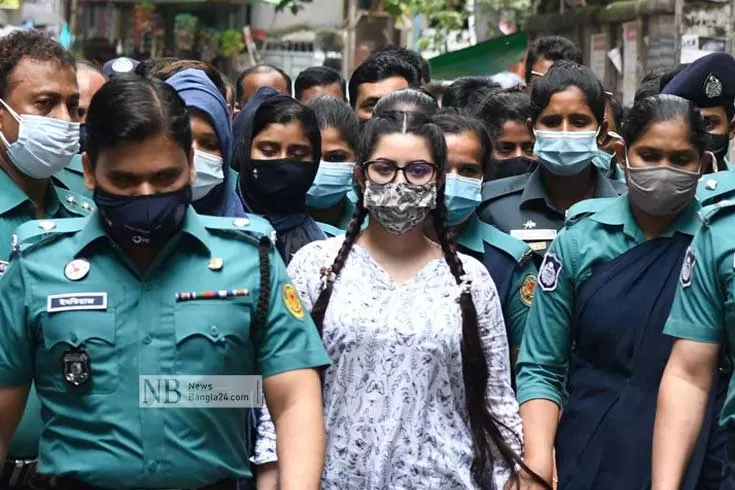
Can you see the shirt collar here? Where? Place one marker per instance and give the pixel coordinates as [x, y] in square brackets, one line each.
[535, 189]
[11, 196]
[94, 230]
[619, 214]
[471, 236]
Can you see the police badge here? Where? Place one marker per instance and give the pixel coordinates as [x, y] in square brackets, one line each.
[687, 268]
[712, 87]
[77, 366]
[548, 277]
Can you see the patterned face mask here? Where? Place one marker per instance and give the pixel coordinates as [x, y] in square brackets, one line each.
[400, 206]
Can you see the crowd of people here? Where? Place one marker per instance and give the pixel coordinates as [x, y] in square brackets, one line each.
[493, 283]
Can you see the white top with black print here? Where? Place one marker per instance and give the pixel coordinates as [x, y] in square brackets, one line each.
[394, 400]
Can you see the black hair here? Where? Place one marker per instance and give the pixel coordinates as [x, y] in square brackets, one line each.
[406, 100]
[378, 67]
[316, 76]
[454, 121]
[335, 113]
[421, 64]
[552, 48]
[485, 428]
[32, 44]
[436, 90]
[283, 110]
[660, 108]
[501, 107]
[617, 110]
[561, 76]
[91, 66]
[262, 68]
[153, 64]
[143, 108]
[468, 92]
[165, 70]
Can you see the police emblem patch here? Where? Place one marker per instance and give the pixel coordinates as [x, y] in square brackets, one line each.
[292, 301]
[549, 272]
[77, 269]
[527, 289]
[687, 268]
[712, 86]
[77, 366]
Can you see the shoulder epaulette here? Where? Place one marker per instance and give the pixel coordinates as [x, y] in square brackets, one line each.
[37, 232]
[329, 230]
[514, 247]
[74, 203]
[714, 187]
[586, 207]
[502, 187]
[250, 224]
[714, 211]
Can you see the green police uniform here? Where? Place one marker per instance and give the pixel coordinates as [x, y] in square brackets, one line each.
[70, 288]
[15, 209]
[348, 210]
[521, 207]
[715, 187]
[545, 351]
[704, 306]
[72, 177]
[509, 262]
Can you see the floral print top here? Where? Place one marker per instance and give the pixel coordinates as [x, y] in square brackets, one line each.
[394, 399]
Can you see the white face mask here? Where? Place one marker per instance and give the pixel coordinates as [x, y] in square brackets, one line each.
[210, 174]
[44, 146]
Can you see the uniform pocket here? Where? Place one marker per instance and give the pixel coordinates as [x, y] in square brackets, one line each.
[63, 334]
[213, 337]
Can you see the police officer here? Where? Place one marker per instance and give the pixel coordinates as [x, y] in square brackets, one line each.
[709, 82]
[39, 134]
[146, 286]
[568, 122]
[89, 79]
[507, 259]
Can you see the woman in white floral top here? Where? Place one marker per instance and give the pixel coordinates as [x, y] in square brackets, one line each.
[419, 393]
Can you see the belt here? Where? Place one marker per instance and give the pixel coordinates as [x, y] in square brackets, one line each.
[17, 472]
[66, 483]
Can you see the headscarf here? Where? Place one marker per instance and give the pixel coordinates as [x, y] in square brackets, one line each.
[293, 230]
[198, 91]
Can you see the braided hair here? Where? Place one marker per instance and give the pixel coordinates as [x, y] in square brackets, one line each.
[483, 425]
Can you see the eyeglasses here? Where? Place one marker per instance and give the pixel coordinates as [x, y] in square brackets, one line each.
[385, 171]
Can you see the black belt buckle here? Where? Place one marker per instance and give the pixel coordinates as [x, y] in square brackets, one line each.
[18, 472]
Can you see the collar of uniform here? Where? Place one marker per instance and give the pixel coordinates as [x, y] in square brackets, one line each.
[93, 230]
[11, 196]
[536, 190]
[471, 236]
[619, 213]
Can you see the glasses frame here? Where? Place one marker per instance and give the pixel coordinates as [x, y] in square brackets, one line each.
[366, 168]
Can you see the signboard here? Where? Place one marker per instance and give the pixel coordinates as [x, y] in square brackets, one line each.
[630, 62]
[598, 52]
[10, 4]
[694, 47]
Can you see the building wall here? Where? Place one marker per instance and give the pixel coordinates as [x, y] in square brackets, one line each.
[319, 13]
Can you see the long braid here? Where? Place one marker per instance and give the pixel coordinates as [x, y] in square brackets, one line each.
[483, 425]
[353, 230]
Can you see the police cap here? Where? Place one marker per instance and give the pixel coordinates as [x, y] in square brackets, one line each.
[707, 82]
[118, 66]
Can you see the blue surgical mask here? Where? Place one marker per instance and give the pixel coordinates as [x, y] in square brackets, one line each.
[44, 146]
[565, 153]
[210, 174]
[462, 195]
[602, 161]
[332, 183]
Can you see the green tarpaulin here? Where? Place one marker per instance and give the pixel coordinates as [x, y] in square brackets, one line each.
[486, 58]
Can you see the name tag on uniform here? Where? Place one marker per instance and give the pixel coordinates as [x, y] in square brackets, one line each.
[540, 235]
[538, 246]
[76, 301]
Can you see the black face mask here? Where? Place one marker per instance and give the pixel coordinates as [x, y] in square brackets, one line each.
[143, 221]
[82, 138]
[277, 187]
[719, 144]
[513, 166]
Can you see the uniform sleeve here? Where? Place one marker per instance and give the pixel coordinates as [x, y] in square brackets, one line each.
[698, 309]
[544, 356]
[289, 340]
[501, 400]
[518, 302]
[16, 341]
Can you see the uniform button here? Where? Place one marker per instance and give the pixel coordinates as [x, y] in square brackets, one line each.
[147, 339]
[152, 466]
[213, 330]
